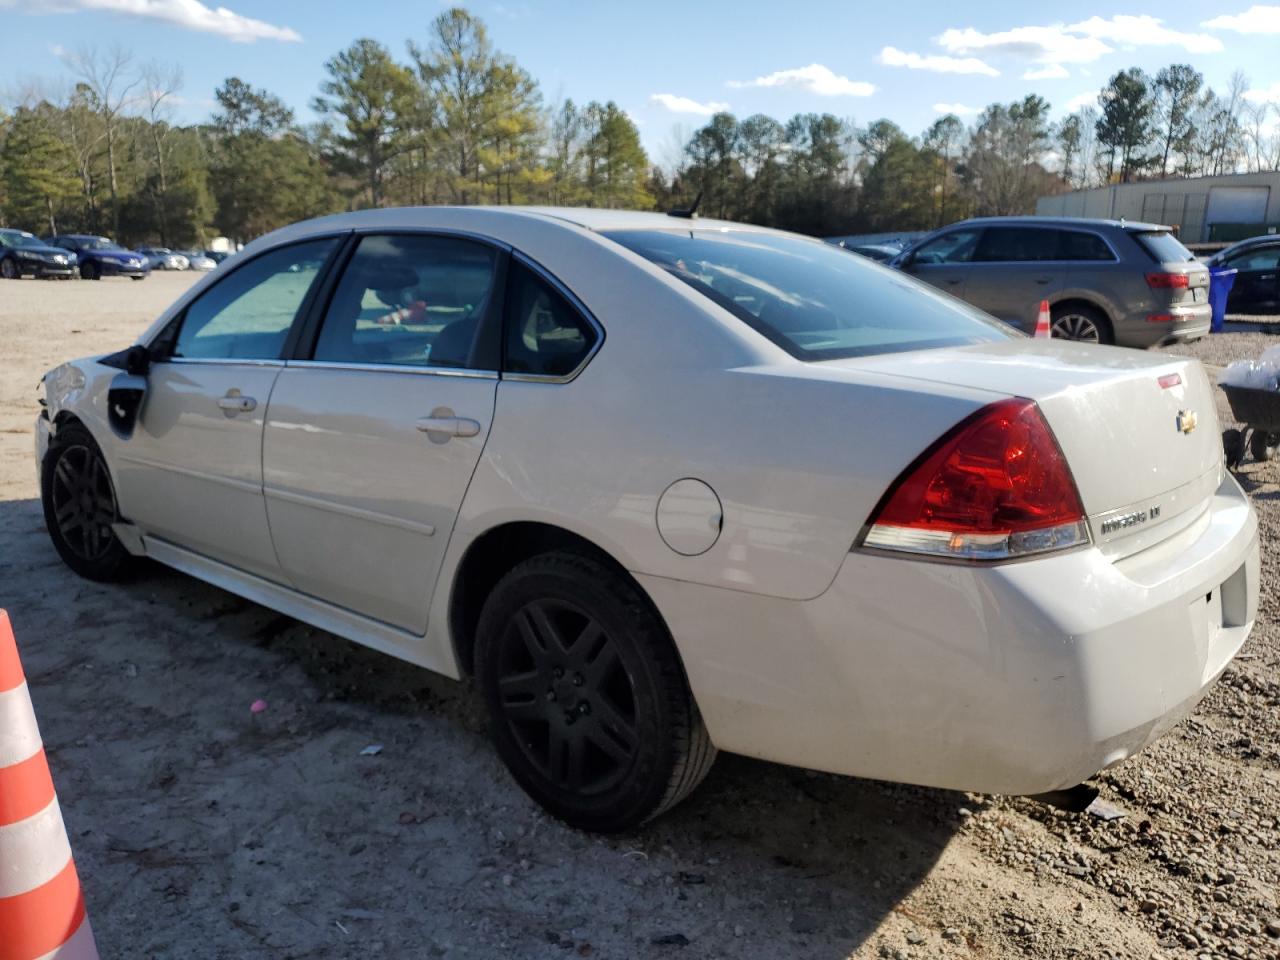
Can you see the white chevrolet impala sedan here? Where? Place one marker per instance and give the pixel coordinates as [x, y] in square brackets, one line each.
[665, 486]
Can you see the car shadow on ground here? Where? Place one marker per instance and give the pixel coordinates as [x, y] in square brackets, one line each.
[763, 860]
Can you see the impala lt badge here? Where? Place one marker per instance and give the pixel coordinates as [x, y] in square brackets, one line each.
[1186, 420]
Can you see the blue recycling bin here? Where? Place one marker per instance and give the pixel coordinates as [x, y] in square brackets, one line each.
[1220, 281]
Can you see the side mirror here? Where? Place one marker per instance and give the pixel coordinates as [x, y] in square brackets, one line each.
[127, 391]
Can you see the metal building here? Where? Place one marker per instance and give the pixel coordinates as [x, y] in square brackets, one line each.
[1204, 209]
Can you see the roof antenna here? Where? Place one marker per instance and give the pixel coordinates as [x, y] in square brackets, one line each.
[690, 212]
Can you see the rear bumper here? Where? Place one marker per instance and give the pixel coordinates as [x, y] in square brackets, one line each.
[1017, 679]
[110, 268]
[1187, 323]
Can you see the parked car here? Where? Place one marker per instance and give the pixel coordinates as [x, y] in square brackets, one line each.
[102, 257]
[217, 256]
[1106, 281]
[24, 253]
[162, 258]
[196, 260]
[666, 486]
[1256, 287]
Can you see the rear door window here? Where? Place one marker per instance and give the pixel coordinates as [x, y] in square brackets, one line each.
[1259, 258]
[1162, 246]
[1017, 245]
[412, 300]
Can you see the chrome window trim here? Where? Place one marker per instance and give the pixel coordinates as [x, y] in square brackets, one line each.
[224, 361]
[574, 302]
[393, 368]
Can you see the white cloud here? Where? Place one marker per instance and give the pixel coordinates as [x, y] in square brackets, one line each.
[187, 14]
[1257, 19]
[893, 57]
[959, 109]
[1089, 99]
[1144, 31]
[814, 78]
[1052, 44]
[1050, 71]
[1269, 94]
[685, 105]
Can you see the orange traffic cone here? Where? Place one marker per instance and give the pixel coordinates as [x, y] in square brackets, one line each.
[1042, 322]
[42, 913]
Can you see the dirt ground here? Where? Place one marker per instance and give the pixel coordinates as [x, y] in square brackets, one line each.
[204, 831]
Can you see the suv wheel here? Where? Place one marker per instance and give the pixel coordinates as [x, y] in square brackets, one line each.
[80, 506]
[1081, 323]
[587, 699]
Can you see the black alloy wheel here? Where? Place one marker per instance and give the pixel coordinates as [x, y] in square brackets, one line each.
[90, 271]
[9, 270]
[80, 506]
[588, 702]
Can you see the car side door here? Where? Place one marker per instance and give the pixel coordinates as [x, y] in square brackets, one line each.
[377, 422]
[1014, 268]
[1257, 281]
[943, 261]
[191, 473]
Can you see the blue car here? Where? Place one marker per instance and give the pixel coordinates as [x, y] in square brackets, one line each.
[21, 252]
[102, 257]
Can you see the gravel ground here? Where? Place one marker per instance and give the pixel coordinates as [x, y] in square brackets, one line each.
[202, 831]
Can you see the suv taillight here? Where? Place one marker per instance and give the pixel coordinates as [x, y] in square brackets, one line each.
[995, 487]
[1168, 281]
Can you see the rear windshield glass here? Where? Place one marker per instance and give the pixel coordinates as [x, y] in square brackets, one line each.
[1164, 247]
[814, 300]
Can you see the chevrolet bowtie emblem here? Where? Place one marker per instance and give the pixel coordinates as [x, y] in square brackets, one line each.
[1186, 420]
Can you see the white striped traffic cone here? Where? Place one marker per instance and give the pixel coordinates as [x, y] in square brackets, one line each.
[1043, 332]
[42, 913]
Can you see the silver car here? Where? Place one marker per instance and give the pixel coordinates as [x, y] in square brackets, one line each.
[1107, 281]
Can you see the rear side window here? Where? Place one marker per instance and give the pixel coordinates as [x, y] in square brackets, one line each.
[412, 300]
[1162, 246]
[1075, 245]
[810, 298]
[1017, 245]
[546, 336]
[248, 315]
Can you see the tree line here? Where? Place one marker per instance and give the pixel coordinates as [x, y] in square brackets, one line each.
[460, 122]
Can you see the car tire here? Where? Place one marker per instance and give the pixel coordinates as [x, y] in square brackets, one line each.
[1263, 445]
[9, 270]
[588, 703]
[90, 271]
[137, 278]
[1080, 322]
[80, 505]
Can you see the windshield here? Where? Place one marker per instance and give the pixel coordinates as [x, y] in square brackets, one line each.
[810, 298]
[17, 238]
[1164, 247]
[100, 243]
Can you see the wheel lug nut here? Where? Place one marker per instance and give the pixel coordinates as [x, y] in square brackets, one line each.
[551, 695]
[577, 680]
[584, 708]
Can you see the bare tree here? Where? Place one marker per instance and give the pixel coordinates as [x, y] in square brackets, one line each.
[1262, 136]
[110, 85]
[162, 82]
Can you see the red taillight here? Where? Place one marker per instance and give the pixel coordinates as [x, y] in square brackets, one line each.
[1168, 281]
[996, 486]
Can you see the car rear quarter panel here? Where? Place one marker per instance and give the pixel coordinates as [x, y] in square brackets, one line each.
[798, 454]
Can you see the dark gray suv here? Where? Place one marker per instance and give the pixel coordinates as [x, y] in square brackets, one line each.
[1107, 281]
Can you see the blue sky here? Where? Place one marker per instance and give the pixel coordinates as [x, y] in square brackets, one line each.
[670, 64]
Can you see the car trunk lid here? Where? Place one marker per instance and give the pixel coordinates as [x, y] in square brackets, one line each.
[1139, 431]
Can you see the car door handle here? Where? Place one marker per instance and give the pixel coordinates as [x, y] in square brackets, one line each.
[449, 426]
[1267, 276]
[235, 403]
